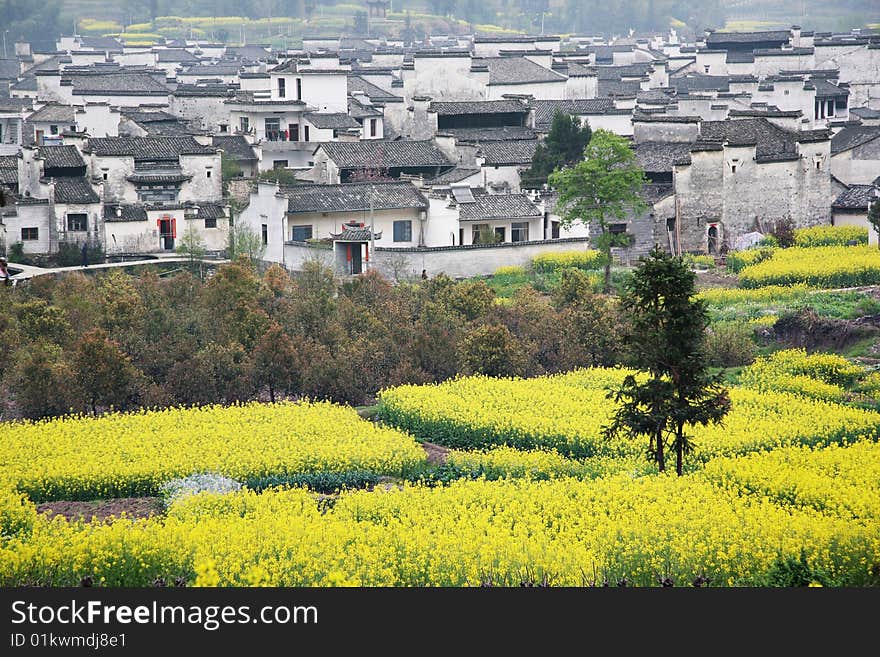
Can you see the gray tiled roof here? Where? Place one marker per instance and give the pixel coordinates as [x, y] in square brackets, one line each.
[74, 190]
[578, 70]
[358, 110]
[659, 157]
[724, 38]
[211, 211]
[353, 197]
[147, 148]
[8, 170]
[125, 213]
[865, 112]
[498, 206]
[117, 84]
[351, 155]
[27, 83]
[545, 109]
[102, 43]
[478, 107]
[208, 70]
[517, 70]
[771, 141]
[825, 89]
[252, 53]
[618, 88]
[637, 70]
[857, 197]
[655, 97]
[689, 83]
[147, 116]
[354, 235]
[54, 113]
[215, 90]
[235, 146]
[172, 55]
[139, 178]
[17, 105]
[653, 192]
[375, 93]
[454, 175]
[327, 121]
[61, 157]
[503, 133]
[160, 124]
[853, 136]
[512, 152]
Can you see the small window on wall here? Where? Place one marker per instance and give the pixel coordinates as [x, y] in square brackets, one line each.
[30, 234]
[519, 231]
[617, 229]
[373, 130]
[265, 233]
[224, 127]
[53, 129]
[403, 231]
[499, 234]
[279, 164]
[210, 222]
[77, 222]
[302, 233]
[554, 230]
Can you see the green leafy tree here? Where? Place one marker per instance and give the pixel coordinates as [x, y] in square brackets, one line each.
[229, 168]
[564, 146]
[874, 218]
[103, 373]
[41, 380]
[605, 185]
[665, 337]
[273, 362]
[491, 350]
[192, 246]
[243, 241]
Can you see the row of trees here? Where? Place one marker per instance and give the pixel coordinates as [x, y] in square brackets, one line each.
[86, 343]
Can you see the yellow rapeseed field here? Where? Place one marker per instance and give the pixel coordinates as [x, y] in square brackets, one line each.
[562, 531]
[134, 453]
[566, 413]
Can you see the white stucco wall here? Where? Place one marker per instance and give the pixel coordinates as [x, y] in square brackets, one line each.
[208, 111]
[456, 262]
[29, 216]
[98, 120]
[541, 91]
